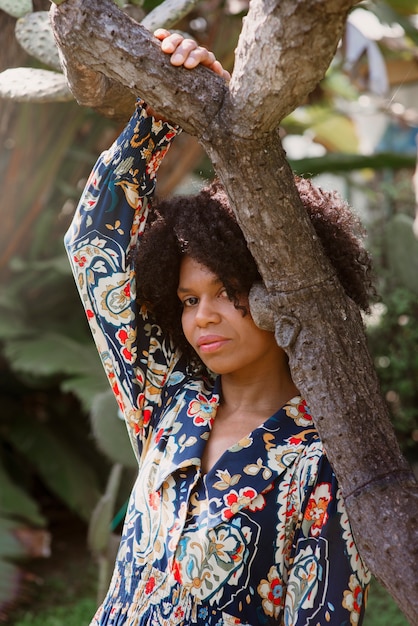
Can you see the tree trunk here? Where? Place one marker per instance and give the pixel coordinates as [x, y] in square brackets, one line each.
[284, 50]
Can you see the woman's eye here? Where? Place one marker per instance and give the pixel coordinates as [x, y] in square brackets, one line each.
[223, 294]
[190, 301]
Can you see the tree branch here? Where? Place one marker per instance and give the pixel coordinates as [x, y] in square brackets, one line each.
[113, 49]
[266, 84]
[265, 72]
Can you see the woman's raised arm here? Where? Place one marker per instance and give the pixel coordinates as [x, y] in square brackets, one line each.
[111, 214]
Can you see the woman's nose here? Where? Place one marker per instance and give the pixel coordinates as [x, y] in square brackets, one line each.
[206, 313]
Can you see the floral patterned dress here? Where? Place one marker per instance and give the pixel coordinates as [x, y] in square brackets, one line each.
[263, 537]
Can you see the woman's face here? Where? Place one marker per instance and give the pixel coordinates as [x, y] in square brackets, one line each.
[227, 341]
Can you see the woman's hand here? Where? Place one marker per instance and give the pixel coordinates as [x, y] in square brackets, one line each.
[186, 53]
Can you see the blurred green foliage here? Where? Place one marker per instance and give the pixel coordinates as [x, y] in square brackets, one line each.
[393, 343]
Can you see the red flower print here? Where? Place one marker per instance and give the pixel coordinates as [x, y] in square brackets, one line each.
[122, 335]
[80, 261]
[154, 499]
[89, 314]
[303, 408]
[202, 410]
[126, 338]
[127, 354]
[316, 511]
[141, 398]
[231, 498]
[177, 572]
[179, 612]
[147, 416]
[276, 592]
[357, 598]
[272, 592]
[237, 501]
[159, 435]
[290, 510]
[149, 587]
[353, 600]
[298, 411]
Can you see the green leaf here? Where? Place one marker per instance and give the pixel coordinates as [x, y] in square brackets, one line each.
[16, 503]
[62, 468]
[333, 130]
[100, 523]
[12, 326]
[10, 578]
[86, 388]
[337, 133]
[10, 546]
[110, 431]
[402, 250]
[52, 354]
[59, 264]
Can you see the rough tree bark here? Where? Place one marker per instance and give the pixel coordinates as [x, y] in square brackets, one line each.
[284, 50]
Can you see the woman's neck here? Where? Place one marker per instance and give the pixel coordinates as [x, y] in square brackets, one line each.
[247, 401]
[261, 390]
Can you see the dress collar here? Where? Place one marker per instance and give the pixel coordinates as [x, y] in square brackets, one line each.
[245, 470]
[248, 470]
[183, 445]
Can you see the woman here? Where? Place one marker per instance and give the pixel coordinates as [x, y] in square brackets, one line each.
[236, 516]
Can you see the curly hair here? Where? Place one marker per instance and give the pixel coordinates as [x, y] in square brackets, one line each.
[204, 227]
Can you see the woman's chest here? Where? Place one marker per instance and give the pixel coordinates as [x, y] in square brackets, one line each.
[228, 430]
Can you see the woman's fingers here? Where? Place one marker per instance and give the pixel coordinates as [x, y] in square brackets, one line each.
[187, 53]
[161, 33]
[218, 69]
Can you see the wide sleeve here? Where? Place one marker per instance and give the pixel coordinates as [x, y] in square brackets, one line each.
[111, 214]
[327, 579]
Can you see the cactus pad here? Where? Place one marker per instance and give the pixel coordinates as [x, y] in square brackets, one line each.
[34, 34]
[16, 8]
[25, 84]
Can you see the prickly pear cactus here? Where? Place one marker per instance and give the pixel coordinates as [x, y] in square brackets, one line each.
[26, 84]
[101, 519]
[110, 431]
[99, 538]
[402, 250]
[16, 8]
[34, 34]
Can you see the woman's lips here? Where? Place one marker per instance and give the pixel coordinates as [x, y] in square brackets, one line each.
[211, 343]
